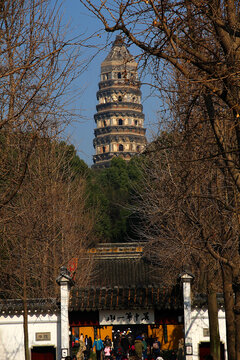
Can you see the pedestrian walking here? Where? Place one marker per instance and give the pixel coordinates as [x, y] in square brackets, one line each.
[156, 348]
[82, 348]
[90, 343]
[107, 353]
[125, 345]
[132, 352]
[87, 351]
[99, 347]
[107, 341]
[138, 344]
[118, 350]
[144, 348]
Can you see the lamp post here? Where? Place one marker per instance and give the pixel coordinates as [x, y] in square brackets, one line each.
[186, 278]
[65, 282]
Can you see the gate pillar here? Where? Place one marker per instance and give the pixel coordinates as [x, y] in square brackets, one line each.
[65, 282]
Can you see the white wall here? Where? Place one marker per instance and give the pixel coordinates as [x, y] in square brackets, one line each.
[11, 334]
[199, 321]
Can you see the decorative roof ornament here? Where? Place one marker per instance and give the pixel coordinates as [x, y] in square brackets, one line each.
[119, 53]
[119, 40]
[65, 276]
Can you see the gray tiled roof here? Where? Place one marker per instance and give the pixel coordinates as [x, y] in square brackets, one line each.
[122, 279]
[112, 272]
[117, 298]
[35, 306]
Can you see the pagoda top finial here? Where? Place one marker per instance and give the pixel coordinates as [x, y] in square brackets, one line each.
[119, 40]
[119, 54]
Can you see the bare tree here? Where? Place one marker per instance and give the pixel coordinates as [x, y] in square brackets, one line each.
[37, 65]
[182, 215]
[44, 223]
[46, 226]
[200, 40]
[190, 206]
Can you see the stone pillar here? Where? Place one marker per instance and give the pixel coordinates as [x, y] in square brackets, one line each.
[186, 279]
[65, 282]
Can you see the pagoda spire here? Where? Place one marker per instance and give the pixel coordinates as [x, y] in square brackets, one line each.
[119, 118]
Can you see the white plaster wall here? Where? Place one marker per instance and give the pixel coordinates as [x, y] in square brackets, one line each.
[12, 339]
[199, 321]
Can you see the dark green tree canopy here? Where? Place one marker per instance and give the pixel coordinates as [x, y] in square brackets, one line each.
[113, 191]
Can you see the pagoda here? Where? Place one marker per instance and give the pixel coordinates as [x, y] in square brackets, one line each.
[119, 118]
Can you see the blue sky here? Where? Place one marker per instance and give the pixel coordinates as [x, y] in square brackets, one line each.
[80, 133]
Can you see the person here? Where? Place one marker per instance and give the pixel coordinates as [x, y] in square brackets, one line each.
[132, 353]
[118, 350]
[87, 351]
[144, 347]
[156, 348]
[107, 352]
[99, 347]
[180, 352]
[82, 348]
[130, 338]
[150, 342]
[116, 339]
[107, 341]
[138, 347]
[90, 343]
[125, 345]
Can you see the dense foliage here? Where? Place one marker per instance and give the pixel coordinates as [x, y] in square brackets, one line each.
[113, 191]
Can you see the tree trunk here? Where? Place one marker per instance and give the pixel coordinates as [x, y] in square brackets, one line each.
[237, 320]
[213, 325]
[25, 319]
[229, 311]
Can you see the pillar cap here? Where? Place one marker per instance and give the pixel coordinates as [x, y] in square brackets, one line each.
[186, 276]
[65, 276]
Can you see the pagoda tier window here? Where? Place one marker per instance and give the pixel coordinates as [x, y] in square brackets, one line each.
[121, 148]
[120, 98]
[136, 122]
[120, 122]
[103, 149]
[106, 76]
[119, 75]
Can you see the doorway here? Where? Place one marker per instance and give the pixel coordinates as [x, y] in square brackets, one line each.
[204, 350]
[43, 353]
[131, 331]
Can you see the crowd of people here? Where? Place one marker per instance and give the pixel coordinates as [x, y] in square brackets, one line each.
[139, 348]
[123, 347]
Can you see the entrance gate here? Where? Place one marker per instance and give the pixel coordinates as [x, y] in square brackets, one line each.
[43, 353]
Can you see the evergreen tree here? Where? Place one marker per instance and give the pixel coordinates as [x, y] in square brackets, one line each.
[113, 191]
